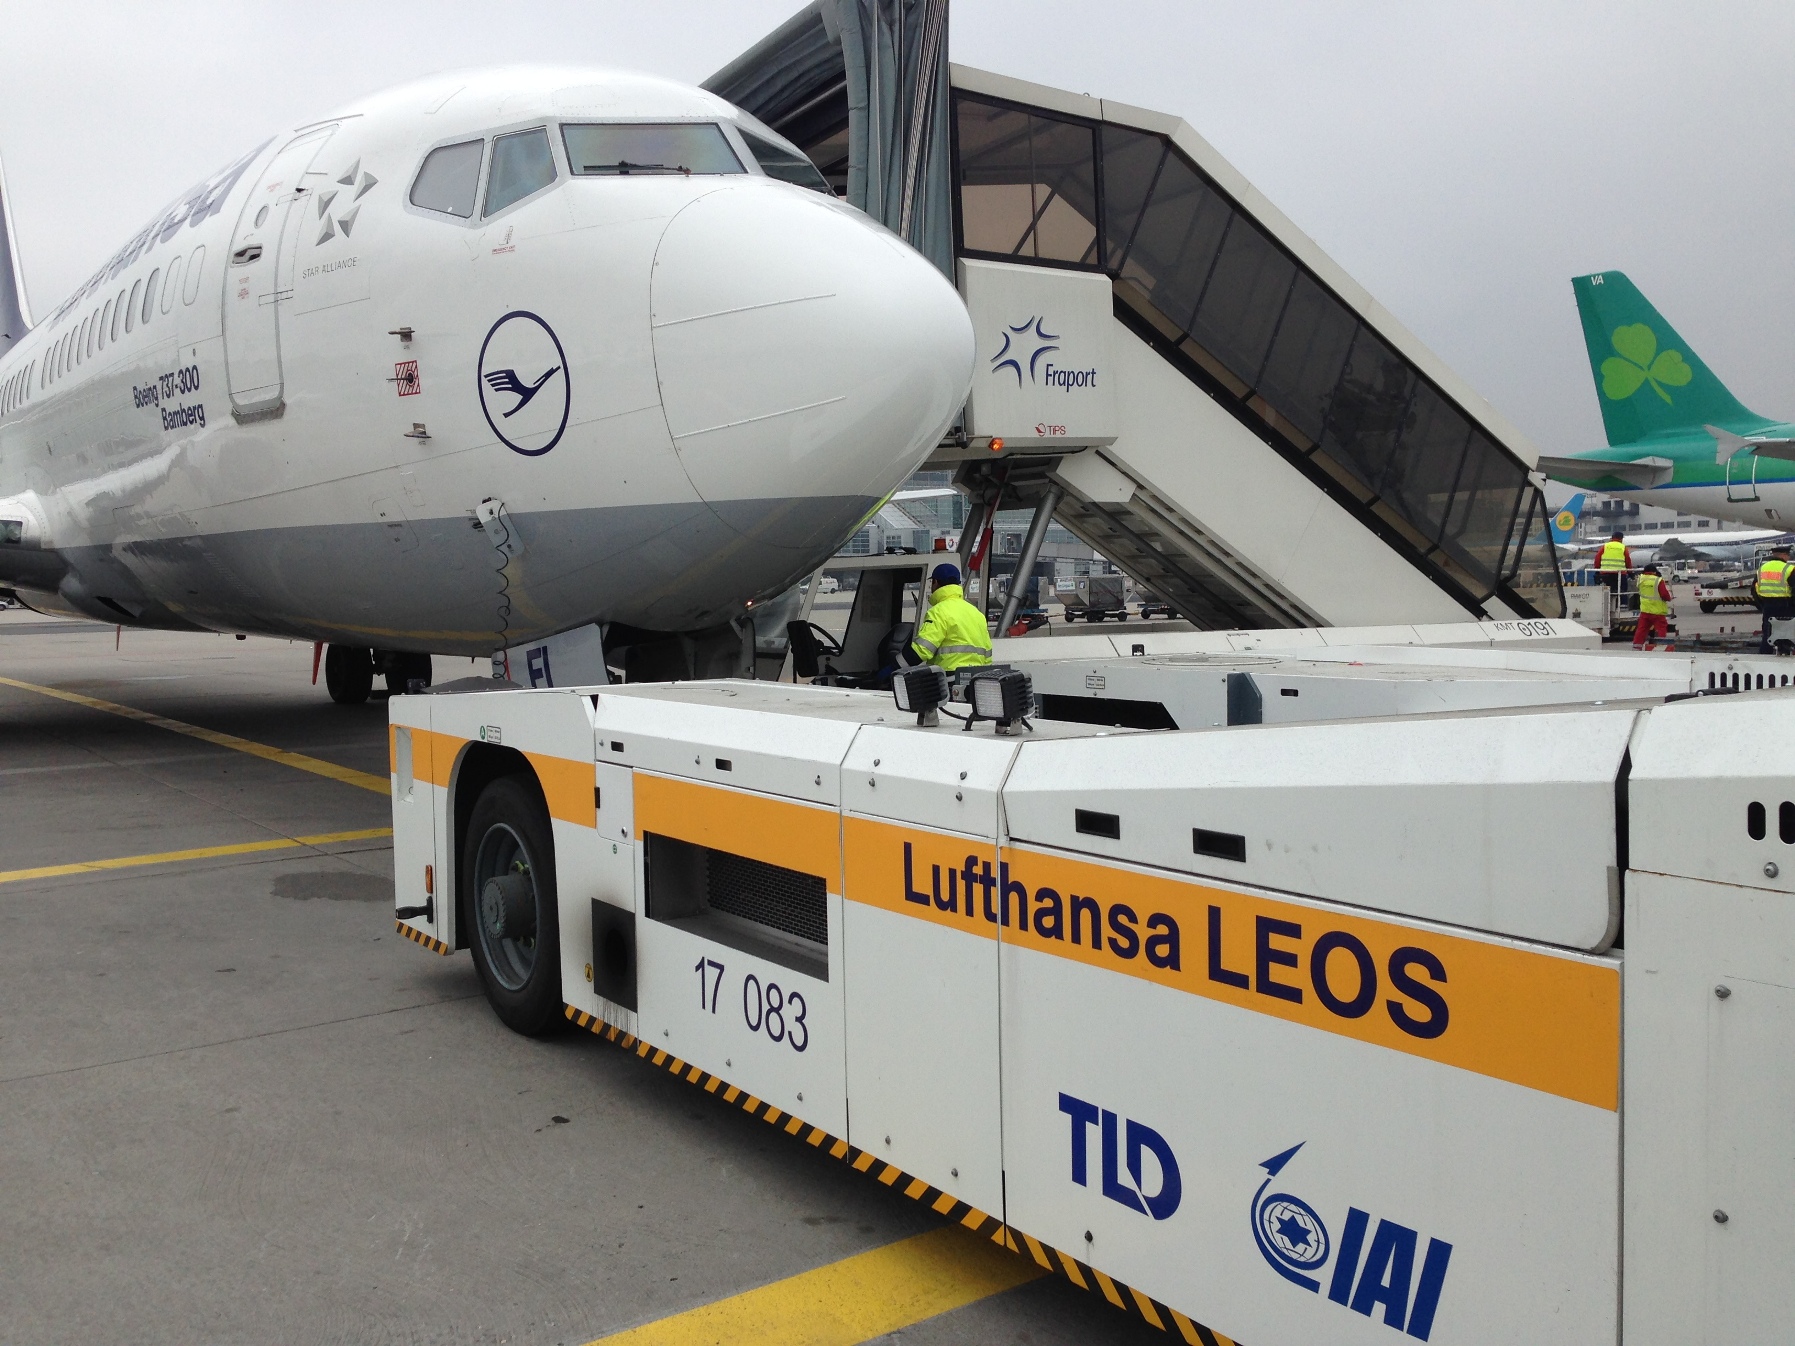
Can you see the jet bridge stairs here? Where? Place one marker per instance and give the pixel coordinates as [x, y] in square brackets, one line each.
[1277, 450]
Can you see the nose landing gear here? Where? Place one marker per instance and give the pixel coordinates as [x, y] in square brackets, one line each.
[349, 672]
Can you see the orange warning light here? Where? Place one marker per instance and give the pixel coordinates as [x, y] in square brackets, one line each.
[430, 879]
[997, 446]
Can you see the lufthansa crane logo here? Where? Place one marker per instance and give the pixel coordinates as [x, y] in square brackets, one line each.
[523, 383]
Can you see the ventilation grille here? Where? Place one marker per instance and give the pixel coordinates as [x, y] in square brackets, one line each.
[768, 895]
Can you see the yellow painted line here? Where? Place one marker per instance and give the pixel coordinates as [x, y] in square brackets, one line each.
[854, 1300]
[317, 766]
[198, 853]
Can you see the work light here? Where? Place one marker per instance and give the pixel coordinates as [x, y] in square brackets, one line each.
[919, 691]
[1004, 697]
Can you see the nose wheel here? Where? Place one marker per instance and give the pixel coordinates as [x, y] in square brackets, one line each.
[349, 674]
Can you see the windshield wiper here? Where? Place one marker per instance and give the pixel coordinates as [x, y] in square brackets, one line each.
[624, 166]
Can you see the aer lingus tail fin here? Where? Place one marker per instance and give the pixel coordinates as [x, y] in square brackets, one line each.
[1648, 380]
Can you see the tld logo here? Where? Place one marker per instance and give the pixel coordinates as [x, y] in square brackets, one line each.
[1293, 1239]
[1133, 1139]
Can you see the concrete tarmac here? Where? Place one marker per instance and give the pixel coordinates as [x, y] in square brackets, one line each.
[238, 1108]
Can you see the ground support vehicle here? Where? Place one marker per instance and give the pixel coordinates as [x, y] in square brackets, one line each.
[1093, 598]
[1310, 1031]
[1736, 594]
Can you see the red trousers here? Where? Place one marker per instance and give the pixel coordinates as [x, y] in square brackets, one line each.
[1652, 626]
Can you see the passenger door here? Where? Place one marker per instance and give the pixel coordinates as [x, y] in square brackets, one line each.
[267, 228]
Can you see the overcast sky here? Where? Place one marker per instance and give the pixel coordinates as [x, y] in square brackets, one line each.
[1461, 160]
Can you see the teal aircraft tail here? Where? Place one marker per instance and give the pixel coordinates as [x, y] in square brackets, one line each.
[1648, 380]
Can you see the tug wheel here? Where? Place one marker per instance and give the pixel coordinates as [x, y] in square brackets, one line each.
[508, 899]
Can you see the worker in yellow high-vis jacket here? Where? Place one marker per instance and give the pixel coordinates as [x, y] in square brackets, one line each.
[953, 634]
[1614, 560]
[1772, 592]
[1654, 611]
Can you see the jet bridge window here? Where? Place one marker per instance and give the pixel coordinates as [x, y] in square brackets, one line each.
[521, 164]
[450, 179]
[786, 166]
[618, 149]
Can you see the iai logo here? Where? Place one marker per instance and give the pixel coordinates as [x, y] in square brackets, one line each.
[523, 383]
[1382, 1278]
[1029, 341]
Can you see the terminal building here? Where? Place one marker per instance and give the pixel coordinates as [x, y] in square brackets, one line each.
[1168, 368]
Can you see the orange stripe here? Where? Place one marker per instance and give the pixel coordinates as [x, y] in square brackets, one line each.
[805, 837]
[1547, 1020]
[568, 788]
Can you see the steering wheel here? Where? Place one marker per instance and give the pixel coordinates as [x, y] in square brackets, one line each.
[825, 642]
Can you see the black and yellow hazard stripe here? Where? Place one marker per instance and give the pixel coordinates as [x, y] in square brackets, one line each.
[419, 937]
[944, 1204]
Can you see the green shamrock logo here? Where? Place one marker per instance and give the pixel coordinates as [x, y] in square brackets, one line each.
[1638, 360]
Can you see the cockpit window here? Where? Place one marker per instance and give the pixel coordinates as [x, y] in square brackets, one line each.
[786, 166]
[619, 150]
[521, 164]
[449, 179]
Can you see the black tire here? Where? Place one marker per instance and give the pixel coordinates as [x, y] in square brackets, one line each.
[513, 929]
[1708, 607]
[349, 674]
[404, 668]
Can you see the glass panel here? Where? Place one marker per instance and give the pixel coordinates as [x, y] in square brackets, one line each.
[1425, 466]
[1245, 296]
[787, 167]
[1130, 163]
[1176, 242]
[1065, 190]
[1368, 408]
[1028, 184]
[620, 150]
[1307, 356]
[521, 164]
[1535, 569]
[449, 179]
[1488, 491]
[105, 323]
[149, 295]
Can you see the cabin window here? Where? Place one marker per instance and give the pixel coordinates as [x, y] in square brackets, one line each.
[149, 296]
[118, 313]
[131, 308]
[521, 164]
[786, 165]
[105, 323]
[620, 150]
[172, 286]
[449, 179]
[195, 264]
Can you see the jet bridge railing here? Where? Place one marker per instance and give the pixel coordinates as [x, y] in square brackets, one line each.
[1229, 305]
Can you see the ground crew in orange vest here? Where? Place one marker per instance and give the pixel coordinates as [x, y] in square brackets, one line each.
[1654, 610]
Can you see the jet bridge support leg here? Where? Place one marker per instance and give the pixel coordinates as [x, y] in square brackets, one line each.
[1025, 563]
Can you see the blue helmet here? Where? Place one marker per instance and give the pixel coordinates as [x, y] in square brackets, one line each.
[946, 574]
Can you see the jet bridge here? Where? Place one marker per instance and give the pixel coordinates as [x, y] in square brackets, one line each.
[1167, 366]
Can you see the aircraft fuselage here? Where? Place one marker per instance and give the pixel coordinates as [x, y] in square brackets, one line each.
[303, 403]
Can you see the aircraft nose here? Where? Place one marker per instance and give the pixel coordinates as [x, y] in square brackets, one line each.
[807, 359]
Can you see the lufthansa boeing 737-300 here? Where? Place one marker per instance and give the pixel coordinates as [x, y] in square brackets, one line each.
[478, 360]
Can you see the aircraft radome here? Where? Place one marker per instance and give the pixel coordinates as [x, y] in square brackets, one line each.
[477, 360]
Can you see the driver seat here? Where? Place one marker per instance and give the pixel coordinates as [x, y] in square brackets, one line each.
[809, 644]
